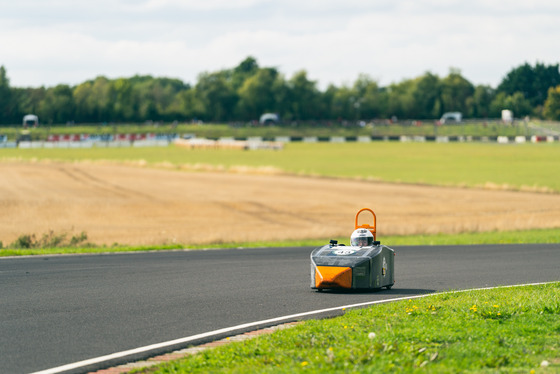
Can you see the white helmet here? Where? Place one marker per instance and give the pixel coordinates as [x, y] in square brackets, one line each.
[361, 238]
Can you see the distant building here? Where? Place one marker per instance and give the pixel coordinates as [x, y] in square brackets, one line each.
[30, 120]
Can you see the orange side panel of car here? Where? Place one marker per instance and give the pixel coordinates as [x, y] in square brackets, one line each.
[333, 276]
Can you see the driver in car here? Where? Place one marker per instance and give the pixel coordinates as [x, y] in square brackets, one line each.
[361, 238]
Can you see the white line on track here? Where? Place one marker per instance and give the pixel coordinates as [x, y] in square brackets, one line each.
[113, 356]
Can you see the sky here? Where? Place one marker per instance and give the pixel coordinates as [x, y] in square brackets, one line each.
[50, 42]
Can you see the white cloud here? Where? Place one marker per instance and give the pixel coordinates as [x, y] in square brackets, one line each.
[197, 4]
[64, 41]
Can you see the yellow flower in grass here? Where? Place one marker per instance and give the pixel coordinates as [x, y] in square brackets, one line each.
[304, 363]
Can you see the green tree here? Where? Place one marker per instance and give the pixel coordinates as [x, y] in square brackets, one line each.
[455, 92]
[101, 98]
[479, 103]
[327, 98]
[342, 101]
[258, 94]
[247, 91]
[94, 100]
[516, 103]
[246, 69]
[400, 99]
[125, 107]
[426, 94]
[552, 104]
[189, 104]
[154, 97]
[58, 105]
[304, 98]
[369, 99]
[6, 103]
[28, 101]
[85, 107]
[217, 95]
[532, 82]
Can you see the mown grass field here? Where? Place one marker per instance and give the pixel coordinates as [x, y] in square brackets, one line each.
[501, 166]
[504, 330]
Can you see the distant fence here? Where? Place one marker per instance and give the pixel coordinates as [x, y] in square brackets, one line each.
[160, 140]
[90, 141]
[405, 138]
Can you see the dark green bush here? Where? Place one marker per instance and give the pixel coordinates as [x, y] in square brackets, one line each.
[49, 240]
[24, 242]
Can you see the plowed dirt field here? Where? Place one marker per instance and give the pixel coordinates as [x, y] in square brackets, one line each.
[139, 205]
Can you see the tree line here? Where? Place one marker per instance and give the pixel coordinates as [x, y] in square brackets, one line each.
[248, 90]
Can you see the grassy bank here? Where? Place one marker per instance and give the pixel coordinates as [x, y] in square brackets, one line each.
[506, 330]
[501, 237]
[514, 166]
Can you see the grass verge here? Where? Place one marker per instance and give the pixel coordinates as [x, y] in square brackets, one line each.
[506, 330]
[493, 237]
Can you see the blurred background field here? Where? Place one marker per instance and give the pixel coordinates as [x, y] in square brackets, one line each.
[188, 197]
[475, 128]
[530, 167]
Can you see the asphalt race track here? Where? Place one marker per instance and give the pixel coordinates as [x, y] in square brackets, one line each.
[56, 310]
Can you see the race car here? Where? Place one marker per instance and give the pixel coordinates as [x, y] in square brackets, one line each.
[365, 264]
